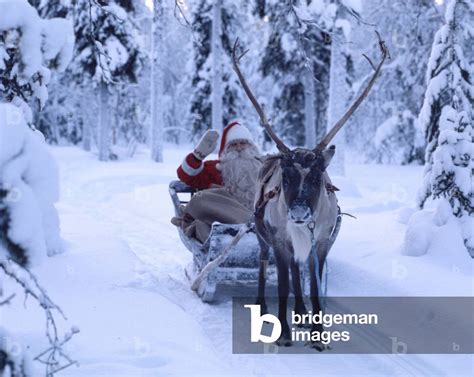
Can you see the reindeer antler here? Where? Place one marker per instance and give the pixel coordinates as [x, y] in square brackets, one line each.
[334, 130]
[261, 113]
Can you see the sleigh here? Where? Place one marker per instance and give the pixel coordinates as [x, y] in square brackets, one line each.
[241, 266]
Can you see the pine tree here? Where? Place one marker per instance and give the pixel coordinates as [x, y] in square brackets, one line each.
[26, 72]
[446, 119]
[50, 9]
[56, 121]
[296, 60]
[448, 76]
[201, 107]
[107, 54]
[453, 161]
[31, 50]
[201, 102]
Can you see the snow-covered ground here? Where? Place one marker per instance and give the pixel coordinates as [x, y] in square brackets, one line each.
[122, 282]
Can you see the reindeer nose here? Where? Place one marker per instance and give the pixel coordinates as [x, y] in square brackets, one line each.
[299, 214]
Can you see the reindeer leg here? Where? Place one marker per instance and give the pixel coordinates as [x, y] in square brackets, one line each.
[283, 291]
[300, 307]
[262, 275]
[315, 303]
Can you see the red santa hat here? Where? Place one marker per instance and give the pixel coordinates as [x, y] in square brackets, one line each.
[234, 131]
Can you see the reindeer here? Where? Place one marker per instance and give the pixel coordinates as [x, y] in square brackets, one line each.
[296, 208]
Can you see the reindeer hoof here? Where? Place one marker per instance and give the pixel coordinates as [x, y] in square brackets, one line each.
[318, 346]
[285, 338]
[284, 342]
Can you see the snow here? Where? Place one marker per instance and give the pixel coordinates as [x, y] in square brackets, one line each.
[345, 25]
[117, 54]
[41, 42]
[320, 10]
[355, 5]
[29, 173]
[116, 10]
[419, 234]
[58, 41]
[39, 38]
[122, 283]
[288, 44]
[19, 14]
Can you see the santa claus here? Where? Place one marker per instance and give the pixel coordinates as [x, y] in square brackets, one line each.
[230, 180]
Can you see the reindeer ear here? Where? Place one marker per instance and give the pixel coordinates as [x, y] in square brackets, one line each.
[328, 155]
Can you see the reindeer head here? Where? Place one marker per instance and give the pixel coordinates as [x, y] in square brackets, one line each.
[303, 182]
[302, 169]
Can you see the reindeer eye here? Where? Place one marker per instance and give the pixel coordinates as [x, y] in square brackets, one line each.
[309, 157]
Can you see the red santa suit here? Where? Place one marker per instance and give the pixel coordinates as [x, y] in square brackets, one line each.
[203, 174]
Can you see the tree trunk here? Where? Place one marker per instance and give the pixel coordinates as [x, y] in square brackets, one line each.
[339, 92]
[86, 125]
[156, 101]
[217, 66]
[309, 110]
[104, 123]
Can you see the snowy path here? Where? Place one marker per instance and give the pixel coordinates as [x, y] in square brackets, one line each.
[124, 269]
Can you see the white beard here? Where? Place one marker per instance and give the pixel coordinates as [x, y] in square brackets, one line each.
[240, 173]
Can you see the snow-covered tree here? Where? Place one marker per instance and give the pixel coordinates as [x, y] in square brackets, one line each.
[216, 50]
[446, 120]
[398, 140]
[59, 121]
[157, 80]
[30, 48]
[449, 75]
[296, 61]
[451, 176]
[202, 97]
[340, 77]
[27, 45]
[50, 9]
[108, 53]
[408, 28]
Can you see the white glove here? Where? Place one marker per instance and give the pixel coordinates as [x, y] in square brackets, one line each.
[207, 144]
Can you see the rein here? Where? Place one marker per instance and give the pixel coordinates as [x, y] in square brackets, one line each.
[322, 295]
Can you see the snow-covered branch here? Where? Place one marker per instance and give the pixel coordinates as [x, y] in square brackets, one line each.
[54, 357]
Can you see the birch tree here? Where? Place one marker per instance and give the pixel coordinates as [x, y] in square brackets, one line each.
[340, 89]
[217, 121]
[157, 69]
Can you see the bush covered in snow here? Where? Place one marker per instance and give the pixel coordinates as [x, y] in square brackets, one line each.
[29, 188]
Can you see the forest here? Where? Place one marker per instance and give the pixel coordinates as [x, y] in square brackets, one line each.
[100, 101]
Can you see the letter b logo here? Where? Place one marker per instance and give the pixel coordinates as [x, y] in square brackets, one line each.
[256, 324]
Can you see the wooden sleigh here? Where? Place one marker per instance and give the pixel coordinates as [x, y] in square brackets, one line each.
[239, 267]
